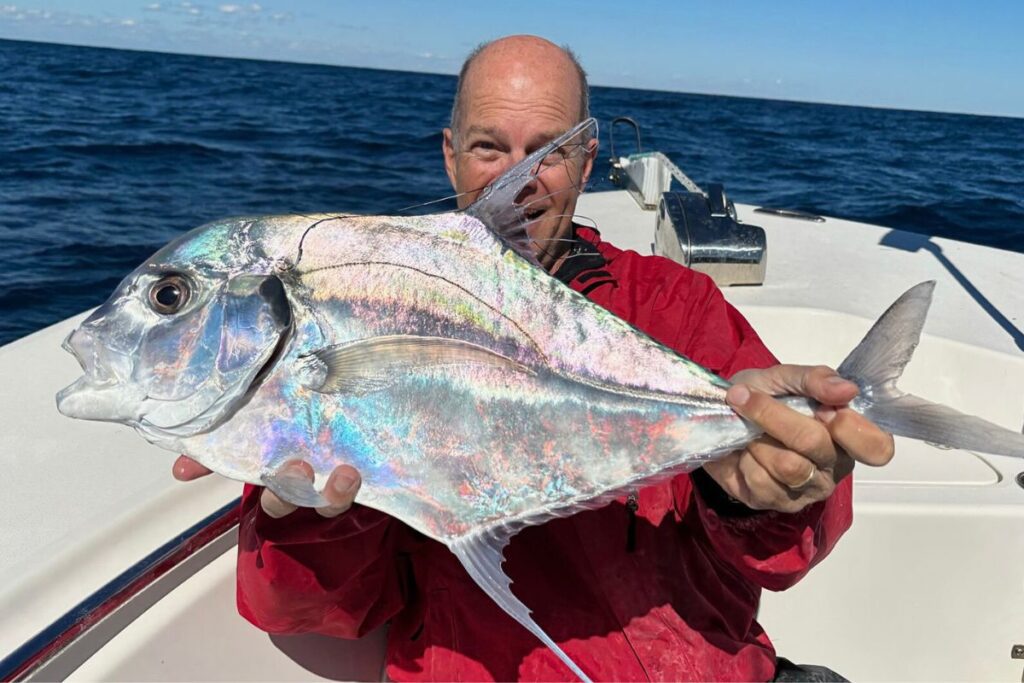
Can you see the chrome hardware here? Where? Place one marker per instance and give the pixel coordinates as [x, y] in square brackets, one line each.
[1020, 479]
[790, 213]
[617, 173]
[611, 134]
[702, 233]
[644, 174]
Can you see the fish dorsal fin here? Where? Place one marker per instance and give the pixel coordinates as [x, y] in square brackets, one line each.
[372, 364]
[481, 553]
[496, 207]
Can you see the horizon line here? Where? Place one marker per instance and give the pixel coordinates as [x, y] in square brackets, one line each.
[455, 75]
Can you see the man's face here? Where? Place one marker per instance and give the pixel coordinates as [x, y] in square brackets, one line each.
[510, 109]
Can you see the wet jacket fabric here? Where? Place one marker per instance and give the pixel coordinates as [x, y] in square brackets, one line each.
[668, 592]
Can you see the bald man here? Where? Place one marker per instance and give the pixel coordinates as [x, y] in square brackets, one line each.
[663, 584]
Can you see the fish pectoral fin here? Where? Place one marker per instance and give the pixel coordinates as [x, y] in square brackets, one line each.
[373, 364]
[481, 554]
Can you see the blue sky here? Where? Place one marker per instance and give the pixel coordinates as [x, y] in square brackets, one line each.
[938, 55]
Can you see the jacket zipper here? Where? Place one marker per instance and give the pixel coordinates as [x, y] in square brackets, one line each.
[632, 505]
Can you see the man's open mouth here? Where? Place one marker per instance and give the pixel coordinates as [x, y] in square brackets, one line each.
[533, 214]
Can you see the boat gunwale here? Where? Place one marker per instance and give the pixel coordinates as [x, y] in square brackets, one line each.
[76, 622]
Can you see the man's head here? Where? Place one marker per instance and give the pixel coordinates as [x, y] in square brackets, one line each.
[514, 95]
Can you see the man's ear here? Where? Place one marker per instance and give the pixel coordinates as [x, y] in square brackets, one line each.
[588, 161]
[448, 147]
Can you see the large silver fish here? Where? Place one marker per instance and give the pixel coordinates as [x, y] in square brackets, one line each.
[475, 393]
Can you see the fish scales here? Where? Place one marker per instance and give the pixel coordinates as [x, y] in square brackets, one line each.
[465, 440]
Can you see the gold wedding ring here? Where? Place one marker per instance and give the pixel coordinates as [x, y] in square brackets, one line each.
[805, 482]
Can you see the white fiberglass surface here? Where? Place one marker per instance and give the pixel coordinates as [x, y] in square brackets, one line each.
[83, 501]
[923, 593]
[197, 635]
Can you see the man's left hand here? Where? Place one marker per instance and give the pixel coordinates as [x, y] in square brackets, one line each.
[799, 459]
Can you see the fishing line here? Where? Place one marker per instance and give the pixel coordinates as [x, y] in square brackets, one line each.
[564, 155]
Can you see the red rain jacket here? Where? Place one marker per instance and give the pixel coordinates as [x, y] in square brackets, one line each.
[670, 594]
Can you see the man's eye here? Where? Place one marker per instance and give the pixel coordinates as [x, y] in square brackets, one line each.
[488, 151]
[484, 147]
[556, 157]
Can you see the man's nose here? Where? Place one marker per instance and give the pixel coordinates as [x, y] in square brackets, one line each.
[531, 187]
[511, 159]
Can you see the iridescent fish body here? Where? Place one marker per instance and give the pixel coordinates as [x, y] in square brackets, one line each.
[474, 393]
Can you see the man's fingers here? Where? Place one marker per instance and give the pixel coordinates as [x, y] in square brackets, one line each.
[340, 492]
[342, 487]
[816, 381]
[187, 469]
[273, 505]
[863, 440]
[805, 435]
[789, 469]
[726, 472]
[765, 492]
[823, 385]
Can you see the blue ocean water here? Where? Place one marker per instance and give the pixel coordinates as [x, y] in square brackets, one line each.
[106, 154]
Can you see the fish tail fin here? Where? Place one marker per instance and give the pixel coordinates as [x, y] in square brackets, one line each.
[481, 555]
[877, 364]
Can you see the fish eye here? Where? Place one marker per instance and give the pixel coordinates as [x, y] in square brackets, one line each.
[169, 294]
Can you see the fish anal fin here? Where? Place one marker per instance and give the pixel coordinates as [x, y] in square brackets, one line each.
[373, 364]
[481, 554]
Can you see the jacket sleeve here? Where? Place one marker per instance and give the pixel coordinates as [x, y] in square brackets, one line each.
[341, 577]
[770, 549]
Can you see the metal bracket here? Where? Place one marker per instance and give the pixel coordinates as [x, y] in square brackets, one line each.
[1017, 652]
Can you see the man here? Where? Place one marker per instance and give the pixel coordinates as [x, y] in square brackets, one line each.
[662, 585]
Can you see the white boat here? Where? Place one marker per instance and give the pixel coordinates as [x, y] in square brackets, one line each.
[111, 570]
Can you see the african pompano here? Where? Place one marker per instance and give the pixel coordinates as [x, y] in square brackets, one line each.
[475, 393]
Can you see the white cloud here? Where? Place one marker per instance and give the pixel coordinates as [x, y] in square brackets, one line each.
[127, 22]
[240, 10]
[154, 7]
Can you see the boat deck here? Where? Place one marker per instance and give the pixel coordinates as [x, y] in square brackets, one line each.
[926, 586]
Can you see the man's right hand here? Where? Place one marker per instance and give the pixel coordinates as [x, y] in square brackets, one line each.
[342, 487]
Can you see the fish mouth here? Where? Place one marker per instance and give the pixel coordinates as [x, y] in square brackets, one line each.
[96, 395]
[69, 347]
[85, 400]
[81, 344]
